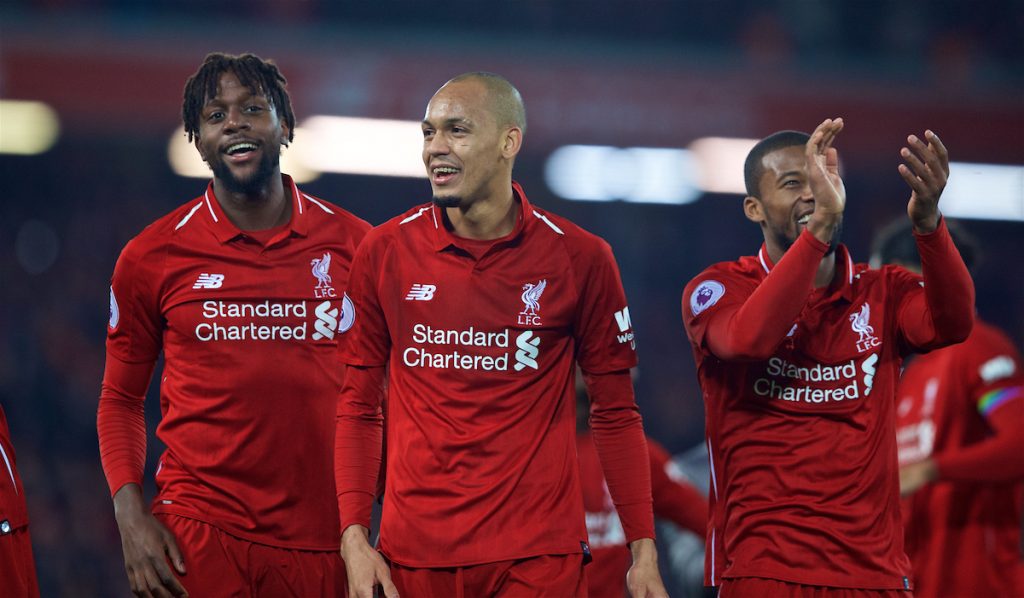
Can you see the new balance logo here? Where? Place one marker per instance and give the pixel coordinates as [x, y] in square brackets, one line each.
[209, 281]
[421, 292]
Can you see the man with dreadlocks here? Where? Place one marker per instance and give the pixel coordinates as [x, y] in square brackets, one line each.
[242, 289]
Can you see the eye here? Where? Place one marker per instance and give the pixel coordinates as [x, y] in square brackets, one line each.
[254, 109]
[428, 133]
[457, 130]
[215, 116]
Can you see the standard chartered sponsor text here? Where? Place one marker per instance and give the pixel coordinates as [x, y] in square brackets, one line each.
[445, 357]
[783, 381]
[217, 330]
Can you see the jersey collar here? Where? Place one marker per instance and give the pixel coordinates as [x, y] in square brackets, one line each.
[445, 238]
[842, 281]
[224, 230]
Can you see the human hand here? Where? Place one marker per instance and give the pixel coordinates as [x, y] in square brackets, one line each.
[916, 475]
[926, 170]
[643, 578]
[823, 176]
[364, 566]
[147, 545]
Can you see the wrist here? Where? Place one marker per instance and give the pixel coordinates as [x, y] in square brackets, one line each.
[355, 535]
[643, 549]
[926, 225]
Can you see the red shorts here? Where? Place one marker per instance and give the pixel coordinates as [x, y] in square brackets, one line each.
[743, 587]
[218, 564]
[17, 567]
[561, 575]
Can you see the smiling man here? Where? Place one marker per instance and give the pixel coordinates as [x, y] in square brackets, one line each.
[242, 290]
[798, 351]
[476, 307]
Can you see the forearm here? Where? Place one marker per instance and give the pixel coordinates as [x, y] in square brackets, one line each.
[948, 289]
[622, 449]
[755, 329]
[999, 458]
[358, 443]
[121, 422]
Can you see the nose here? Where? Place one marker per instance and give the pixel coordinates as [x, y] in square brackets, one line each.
[436, 145]
[236, 119]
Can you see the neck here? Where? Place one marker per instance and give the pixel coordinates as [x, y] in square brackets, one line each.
[826, 268]
[485, 219]
[267, 207]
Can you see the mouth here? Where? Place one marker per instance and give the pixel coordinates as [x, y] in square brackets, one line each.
[240, 151]
[442, 175]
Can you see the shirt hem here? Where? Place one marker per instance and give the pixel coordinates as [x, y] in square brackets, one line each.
[248, 537]
[859, 583]
[415, 564]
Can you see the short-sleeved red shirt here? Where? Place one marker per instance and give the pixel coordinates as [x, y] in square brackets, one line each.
[250, 381]
[481, 340]
[13, 512]
[802, 446]
[962, 538]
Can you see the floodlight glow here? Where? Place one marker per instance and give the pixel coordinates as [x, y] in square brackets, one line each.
[362, 146]
[720, 163]
[185, 160]
[636, 174]
[984, 192]
[27, 128]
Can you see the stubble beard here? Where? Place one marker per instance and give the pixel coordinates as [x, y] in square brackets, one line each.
[448, 201]
[259, 180]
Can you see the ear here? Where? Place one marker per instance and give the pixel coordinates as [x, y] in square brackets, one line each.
[511, 142]
[753, 209]
[199, 148]
[285, 132]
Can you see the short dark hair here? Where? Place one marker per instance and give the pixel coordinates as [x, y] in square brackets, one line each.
[895, 244]
[753, 167]
[261, 76]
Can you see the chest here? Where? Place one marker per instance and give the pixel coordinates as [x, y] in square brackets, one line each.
[511, 289]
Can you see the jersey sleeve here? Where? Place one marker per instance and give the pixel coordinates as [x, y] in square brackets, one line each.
[737, 324]
[622, 449]
[941, 311]
[995, 388]
[367, 343]
[358, 443]
[602, 327]
[134, 341]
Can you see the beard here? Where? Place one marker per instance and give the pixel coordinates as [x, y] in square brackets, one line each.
[783, 240]
[450, 201]
[265, 170]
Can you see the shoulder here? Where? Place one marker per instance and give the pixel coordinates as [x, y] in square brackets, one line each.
[745, 271]
[415, 222]
[323, 210]
[578, 242]
[182, 221]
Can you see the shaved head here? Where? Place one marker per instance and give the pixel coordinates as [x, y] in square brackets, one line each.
[503, 99]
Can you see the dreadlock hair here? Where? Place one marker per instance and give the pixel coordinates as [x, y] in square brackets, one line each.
[753, 169]
[261, 76]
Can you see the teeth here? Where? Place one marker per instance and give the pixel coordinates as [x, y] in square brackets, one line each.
[445, 170]
[241, 147]
[804, 219]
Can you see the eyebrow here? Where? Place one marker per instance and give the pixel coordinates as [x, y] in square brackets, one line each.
[789, 173]
[451, 121]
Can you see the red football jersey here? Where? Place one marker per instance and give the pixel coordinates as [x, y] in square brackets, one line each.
[250, 381]
[674, 500]
[13, 512]
[963, 536]
[800, 431]
[481, 339]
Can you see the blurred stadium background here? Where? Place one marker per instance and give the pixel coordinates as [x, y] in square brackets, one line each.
[637, 112]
